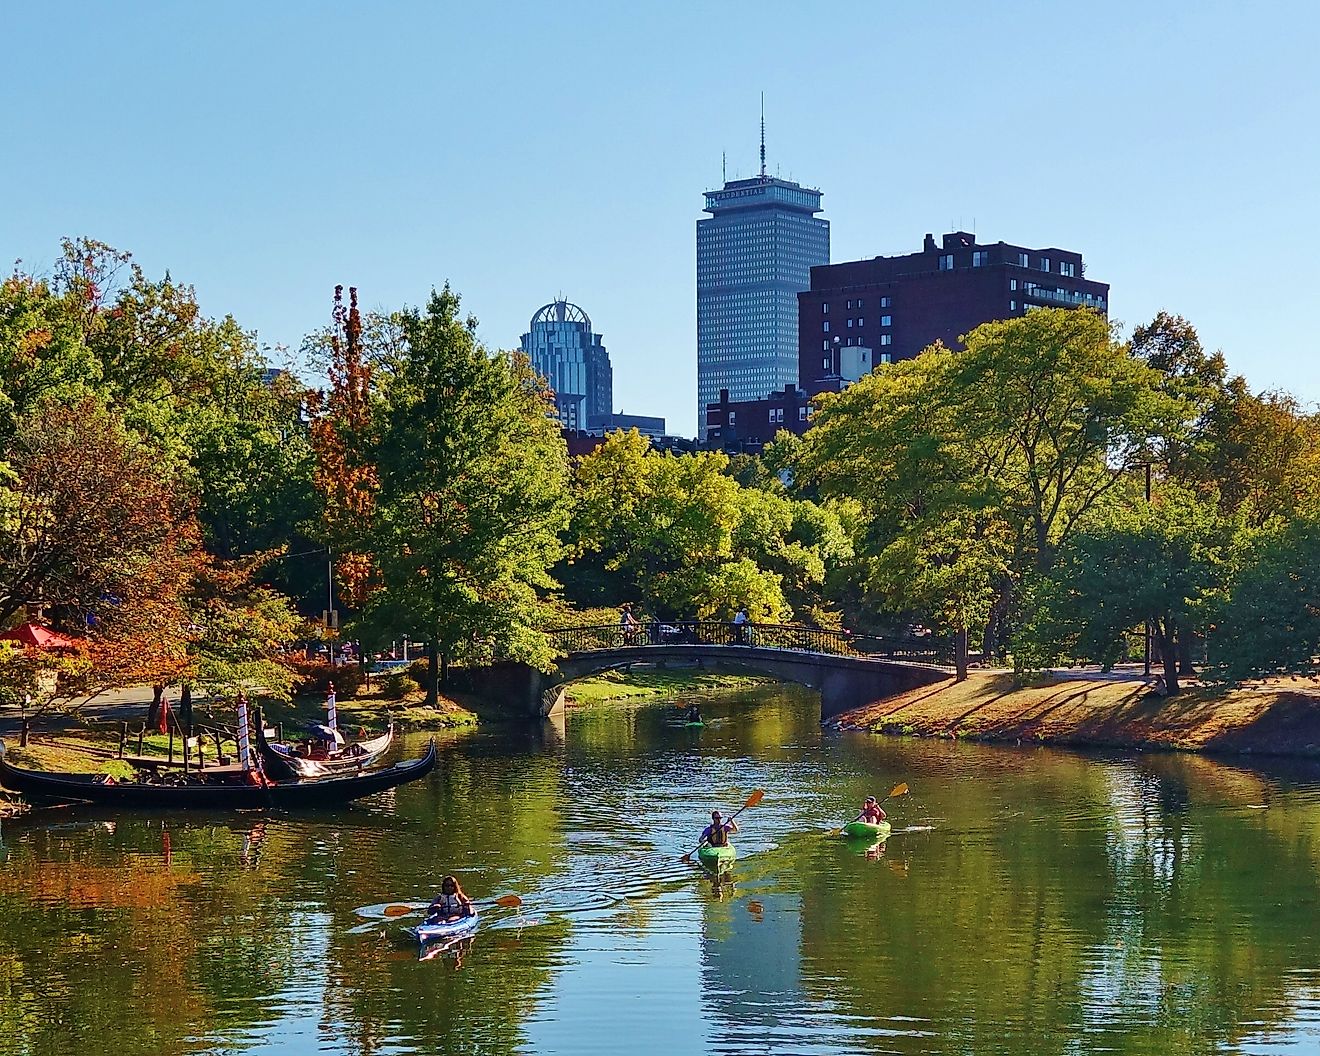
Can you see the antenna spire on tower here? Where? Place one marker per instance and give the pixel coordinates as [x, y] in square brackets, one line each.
[763, 135]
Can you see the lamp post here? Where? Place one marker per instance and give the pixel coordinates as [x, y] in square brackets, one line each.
[1148, 628]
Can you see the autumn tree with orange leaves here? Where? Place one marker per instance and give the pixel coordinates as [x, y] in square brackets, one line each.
[340, 434]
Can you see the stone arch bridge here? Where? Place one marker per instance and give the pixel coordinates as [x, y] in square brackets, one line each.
[848, 670]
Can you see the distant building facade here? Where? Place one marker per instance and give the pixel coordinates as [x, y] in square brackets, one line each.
[755, 253]
[644, 424]
[563, 350]
[890, 308]
[748, 425]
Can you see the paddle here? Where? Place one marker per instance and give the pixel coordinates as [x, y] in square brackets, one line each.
[404, 908]
[752, 800]
[900, 789]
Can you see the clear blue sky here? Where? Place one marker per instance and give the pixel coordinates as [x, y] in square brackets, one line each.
[266, 151]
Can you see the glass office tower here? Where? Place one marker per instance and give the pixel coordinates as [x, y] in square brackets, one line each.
[754, 256]
[565, 352]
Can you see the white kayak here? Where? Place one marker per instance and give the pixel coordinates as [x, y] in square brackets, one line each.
[454, 929]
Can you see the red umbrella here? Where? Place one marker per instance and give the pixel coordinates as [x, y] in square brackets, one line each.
[35, 636]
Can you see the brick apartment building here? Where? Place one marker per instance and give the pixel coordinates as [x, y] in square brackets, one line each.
[897, 306]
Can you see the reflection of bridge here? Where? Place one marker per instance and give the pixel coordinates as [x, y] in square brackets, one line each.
[848, 670]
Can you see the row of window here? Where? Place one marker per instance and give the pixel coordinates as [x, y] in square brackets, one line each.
[885, 339]
[981, 257]
[885, 320]
[776, 414]
[858, 302]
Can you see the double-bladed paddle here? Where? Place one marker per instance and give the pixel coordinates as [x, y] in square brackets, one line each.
[402, 909]
[752, 800]
[899, 790]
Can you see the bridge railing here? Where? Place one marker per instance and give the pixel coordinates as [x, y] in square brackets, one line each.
[924, 650]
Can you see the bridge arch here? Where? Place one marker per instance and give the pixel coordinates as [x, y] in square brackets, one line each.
[827, 661]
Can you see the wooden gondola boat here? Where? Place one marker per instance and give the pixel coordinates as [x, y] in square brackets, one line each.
[97, 788]
[283, 764]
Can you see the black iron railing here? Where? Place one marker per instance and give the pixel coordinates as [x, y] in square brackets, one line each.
[923, 650]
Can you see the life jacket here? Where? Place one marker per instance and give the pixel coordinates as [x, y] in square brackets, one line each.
[447, 905]
[717, 835]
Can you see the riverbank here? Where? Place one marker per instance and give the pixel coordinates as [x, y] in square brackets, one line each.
[644, 683]
[88, 741]
[1279, 717]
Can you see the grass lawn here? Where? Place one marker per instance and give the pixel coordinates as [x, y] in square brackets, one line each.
[643, 683]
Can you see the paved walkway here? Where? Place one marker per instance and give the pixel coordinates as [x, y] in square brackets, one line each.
[120, 705]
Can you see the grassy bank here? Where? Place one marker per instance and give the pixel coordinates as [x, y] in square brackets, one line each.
[373, 711]
[1279, 717]
[641, 683]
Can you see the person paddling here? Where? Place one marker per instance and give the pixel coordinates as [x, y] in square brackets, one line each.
[450, 904]
[716, 834]
[693, 713]
[872, 813]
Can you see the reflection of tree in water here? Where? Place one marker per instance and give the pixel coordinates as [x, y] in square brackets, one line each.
[1067, 895]
[135, 922]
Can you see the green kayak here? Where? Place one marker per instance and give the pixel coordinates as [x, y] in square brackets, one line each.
[697, 723]
[717, 859]
[865, 830]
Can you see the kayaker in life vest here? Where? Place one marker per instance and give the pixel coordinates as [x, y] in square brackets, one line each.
[693, 713]
[872, 813]
[716, 834]
[450, 904]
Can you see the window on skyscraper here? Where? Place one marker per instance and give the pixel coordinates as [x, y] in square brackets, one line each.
[980, 258]
[946, 262]
[1044, 263]
[825, 326]
[886, 302]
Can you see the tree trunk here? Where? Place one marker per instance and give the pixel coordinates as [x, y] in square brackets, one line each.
[444, 669]
[1186, 644]
[153, 712]
[960, 653]
[432, 673]
[1164, 633]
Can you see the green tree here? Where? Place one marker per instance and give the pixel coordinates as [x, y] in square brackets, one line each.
[1160, 563]
[470, 494]
[683, 536]
[972, 469]
[1269, 622]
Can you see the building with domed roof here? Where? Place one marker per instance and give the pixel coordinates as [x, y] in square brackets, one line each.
[563, 350]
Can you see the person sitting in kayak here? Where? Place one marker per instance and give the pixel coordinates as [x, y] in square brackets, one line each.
[693, 713]
[450, 904]
[872, 813]
[716, 834]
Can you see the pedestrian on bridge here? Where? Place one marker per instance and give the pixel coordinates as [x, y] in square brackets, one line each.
[740, 623]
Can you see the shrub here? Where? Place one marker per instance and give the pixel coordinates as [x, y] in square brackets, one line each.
[313, 678]
[399, 685]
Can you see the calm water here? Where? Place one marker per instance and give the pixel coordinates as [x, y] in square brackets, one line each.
[1029, 901]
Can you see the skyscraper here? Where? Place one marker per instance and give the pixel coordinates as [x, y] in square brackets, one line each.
[565, 352]
[755, 253]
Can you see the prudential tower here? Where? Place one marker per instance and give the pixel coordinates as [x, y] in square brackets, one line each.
[755, 253]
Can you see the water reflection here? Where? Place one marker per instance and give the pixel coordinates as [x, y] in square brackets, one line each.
[1026, 901]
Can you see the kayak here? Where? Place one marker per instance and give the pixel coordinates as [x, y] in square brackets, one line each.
[866, 830]
[426, 933]
[697, 723]
[717, 859]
